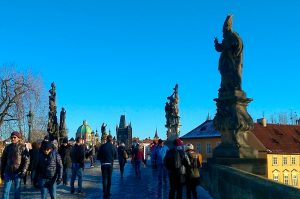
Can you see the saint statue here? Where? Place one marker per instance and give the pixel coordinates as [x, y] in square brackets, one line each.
[231, 59]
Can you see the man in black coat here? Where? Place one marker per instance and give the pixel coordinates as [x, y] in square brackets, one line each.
[107, 153]
[77, 157]
[49, 170]
[65, 154]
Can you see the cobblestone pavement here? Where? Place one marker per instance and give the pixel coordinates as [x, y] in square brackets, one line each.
[129, 187]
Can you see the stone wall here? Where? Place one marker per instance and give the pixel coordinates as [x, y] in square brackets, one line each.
[224, 182]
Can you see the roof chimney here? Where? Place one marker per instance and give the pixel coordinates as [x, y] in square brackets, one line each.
[262, 121]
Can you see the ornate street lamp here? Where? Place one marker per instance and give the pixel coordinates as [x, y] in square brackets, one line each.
[29, 118]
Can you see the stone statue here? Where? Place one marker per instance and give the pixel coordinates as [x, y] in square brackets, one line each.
[231, 59]
[103, 128]
[232, 118]
[52, 128]
[62, 123]
[172, 113]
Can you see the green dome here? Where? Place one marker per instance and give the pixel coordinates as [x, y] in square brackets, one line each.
[84, 130]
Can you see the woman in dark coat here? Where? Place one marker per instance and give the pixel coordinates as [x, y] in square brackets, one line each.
[122, 158]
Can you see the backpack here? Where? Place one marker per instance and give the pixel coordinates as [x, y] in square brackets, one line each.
[193, 168]
[173, 160]
[125, 155]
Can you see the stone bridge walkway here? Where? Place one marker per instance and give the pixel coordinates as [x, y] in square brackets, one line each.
[127, 188]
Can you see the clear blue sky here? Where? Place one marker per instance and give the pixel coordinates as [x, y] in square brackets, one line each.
[109, 58]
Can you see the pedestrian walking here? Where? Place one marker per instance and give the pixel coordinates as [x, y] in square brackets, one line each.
[138, 159]
[152, 151]
[14, 165]
[192, 171]
[159, 155]
[65, 154]
[34, 159]
[107, 153]
[176, 162]
[122, 157]
[49, 170]
[77, 157]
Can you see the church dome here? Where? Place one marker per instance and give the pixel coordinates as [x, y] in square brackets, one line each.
[84, 131]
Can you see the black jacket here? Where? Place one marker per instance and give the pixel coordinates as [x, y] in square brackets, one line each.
[49, 166]
[77, 154]
[107, 153]
[65, 154]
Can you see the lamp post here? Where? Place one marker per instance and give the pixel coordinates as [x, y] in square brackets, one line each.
[29, 118]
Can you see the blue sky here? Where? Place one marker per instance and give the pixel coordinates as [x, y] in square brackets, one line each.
[109, 58]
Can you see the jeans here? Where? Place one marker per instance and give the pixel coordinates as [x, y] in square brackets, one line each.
[137, 167]
[106, 178]
[76, 171]
[162, 173]
[48, 185]
[7, 185]
[66, 172]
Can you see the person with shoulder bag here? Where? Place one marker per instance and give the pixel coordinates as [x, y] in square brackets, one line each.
[122, 157]
[193, 171]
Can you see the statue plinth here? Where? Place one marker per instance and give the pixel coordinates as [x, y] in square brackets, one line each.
[234, 122]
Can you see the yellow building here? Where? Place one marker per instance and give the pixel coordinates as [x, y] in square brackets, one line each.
[204, 138]
[282, 150]
[279, 144]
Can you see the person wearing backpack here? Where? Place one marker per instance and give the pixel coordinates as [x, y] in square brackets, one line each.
[176, 162]
[192, 171]
[122, 157]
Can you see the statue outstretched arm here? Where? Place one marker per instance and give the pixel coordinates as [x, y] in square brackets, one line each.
[218, 46]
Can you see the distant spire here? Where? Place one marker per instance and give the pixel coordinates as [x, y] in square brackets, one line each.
[122, 122]
[208, 117]
[156, 135]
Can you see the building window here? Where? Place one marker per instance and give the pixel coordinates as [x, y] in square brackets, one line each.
[274, 161]
[293, 160]
[284, 161]
[275, 177]
[295, 180]
[198, 148]
[208, 148]
[286, 179]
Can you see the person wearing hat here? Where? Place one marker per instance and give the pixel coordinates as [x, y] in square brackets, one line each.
[77, 156]
[49, 170]
[64, 152]
[159, 155]
[176, 162]
[14, 164]
[193, 171]
[107, 154]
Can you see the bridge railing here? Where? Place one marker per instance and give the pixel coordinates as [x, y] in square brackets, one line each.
[227, 182]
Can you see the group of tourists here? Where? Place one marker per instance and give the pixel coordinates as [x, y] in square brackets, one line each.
[50, 165]
[181, 163]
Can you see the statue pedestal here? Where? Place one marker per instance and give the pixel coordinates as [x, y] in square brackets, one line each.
[234, 122]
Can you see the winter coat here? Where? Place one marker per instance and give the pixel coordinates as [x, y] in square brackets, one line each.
[65, 154]
[15, 160]
[77, 154]
[107, 153]
[49, 166]
[34, 158]
[121, 158]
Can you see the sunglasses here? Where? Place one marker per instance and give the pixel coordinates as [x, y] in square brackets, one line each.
[13, 137]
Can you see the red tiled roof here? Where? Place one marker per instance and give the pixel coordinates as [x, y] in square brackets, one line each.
[279, 138]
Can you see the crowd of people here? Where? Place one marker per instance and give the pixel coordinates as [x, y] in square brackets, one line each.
[50, 165]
